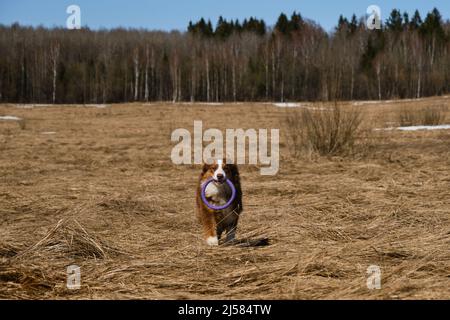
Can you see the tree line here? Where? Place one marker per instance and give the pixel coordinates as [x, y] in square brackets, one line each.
[295, 60]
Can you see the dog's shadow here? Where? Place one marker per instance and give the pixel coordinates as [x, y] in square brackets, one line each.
[247, 242]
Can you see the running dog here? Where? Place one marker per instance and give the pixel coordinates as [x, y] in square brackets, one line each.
[215, 222]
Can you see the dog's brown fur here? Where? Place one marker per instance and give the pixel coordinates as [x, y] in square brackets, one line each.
[215, 222]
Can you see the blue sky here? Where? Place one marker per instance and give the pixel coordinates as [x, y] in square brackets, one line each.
[175, 14]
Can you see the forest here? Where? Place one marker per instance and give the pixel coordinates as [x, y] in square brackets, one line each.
[232, 60]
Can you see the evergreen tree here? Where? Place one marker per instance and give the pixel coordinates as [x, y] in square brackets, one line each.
[282, 24]
[209, 29]
[353, 26]
[296, 22]
[395, 21]
[223, 29]
[237, 26]
[416, 21]
[254, 25]
[191, 28]
[343, 24]
[406, 21]
[433, 25]
[201, 28]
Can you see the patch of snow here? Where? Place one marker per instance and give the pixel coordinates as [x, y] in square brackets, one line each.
[100, 106]
[289, 105]
[305, 105]
[418, 128]
[188, 103]
[33, 105]
[48, 133]
[10, 118]
[363, 103]
[212, 103]
[376, 102]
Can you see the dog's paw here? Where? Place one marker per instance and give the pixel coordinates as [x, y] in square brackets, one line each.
[212, 241]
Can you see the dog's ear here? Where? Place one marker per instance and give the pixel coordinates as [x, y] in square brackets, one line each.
[205, 167]
[233, 169]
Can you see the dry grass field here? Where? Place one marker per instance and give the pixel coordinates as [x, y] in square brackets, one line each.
[95, 187]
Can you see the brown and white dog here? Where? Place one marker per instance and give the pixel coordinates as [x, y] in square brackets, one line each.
[215, 222]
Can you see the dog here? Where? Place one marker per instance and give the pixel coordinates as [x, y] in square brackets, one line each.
[218, 192]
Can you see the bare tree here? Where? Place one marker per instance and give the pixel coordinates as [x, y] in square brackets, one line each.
[136, 73]
[146, 92]
[54, 56]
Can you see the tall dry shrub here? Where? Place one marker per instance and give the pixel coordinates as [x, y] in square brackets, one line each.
[326, 131]
[422, 116]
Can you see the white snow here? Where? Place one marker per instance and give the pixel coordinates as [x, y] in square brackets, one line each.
[48, 132]
[10, 118]
[198, 103]
[30, 106]
[418, 128]
[211, 103]
[362, 103]
[305, 105]
[33, 105]
[100, 106]
[289, 105]
[377, 102]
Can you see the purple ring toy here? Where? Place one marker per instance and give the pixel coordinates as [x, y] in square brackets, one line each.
[212, 207]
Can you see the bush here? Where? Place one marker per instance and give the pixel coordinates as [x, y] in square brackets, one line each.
[424, 116]
[327, 131]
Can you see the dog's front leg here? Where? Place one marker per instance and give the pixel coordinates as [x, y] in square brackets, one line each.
[210, 228]
[231, 236]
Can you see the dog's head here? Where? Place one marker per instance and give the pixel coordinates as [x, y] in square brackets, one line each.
[219, 170]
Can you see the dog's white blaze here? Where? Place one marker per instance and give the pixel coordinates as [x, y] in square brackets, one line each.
[212, 241]
[219, 170]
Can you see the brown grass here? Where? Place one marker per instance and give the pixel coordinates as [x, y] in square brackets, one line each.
[426, 116]
[327, 130]
[103, 194]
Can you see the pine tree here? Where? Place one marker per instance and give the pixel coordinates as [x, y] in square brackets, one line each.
[223, 29]
[353, 26]
[342, 24]
[395, 21]
[433, 25]
[255, 26]
[282, 24]
[405, 20]
[191, 28]
[416, 21]
[296, 22]
[209, 29]
[237, 26]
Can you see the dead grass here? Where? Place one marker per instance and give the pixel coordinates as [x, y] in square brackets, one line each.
[102, 193]
[69, 238]
[427, 116]
[326, 130]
